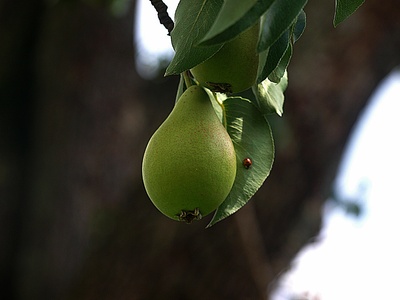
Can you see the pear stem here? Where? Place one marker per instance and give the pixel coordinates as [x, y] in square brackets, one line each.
[186, 78]
[224, 122]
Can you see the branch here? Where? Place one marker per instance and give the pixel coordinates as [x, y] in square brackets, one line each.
[163, 16]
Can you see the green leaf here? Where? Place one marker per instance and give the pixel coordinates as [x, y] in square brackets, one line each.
[269, 97]
[275, 54]
[193, 19]
[231, 12]
[278, 55]
[219, 97]
[280, 70]
[251, 17]
[344, 8]
[299, 26]
[277, 20]
[262, 59]
[181, 88]
[252, 138]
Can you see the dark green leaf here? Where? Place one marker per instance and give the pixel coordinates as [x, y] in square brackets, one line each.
[220, 97]
[251, 17]
[193, 19]
[231, 12]
[181, 88]
[262, 59]
[269, 96]
[280, 70]
[277, 20]
[299, 26]
[274, 55]
[344, 8]
[252, 138]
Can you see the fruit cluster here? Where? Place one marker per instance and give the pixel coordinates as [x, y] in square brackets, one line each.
[189, 165]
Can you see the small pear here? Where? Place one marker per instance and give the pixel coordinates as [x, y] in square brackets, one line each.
[189, 164]
[234, 67]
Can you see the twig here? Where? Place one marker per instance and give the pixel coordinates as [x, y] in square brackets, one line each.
[163, 16]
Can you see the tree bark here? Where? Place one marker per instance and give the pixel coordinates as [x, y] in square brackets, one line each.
[19, 21]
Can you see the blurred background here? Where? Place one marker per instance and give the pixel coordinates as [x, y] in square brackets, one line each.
[80, 97]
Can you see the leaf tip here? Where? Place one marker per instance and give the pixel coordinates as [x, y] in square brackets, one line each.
[168, 71]
[345, 9]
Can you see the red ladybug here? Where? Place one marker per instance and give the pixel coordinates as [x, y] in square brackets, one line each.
[247, 163]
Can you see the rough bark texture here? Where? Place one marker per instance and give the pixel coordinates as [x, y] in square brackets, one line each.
[75, 118]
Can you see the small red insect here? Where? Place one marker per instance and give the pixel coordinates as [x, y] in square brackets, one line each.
[247, 163]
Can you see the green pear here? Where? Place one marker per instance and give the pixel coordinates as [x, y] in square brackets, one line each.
[234, 67]
[189, 164]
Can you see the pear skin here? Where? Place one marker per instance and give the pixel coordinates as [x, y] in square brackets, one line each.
[189, 164]
[234, 67]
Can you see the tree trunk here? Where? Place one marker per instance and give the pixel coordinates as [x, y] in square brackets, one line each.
[76, 220]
